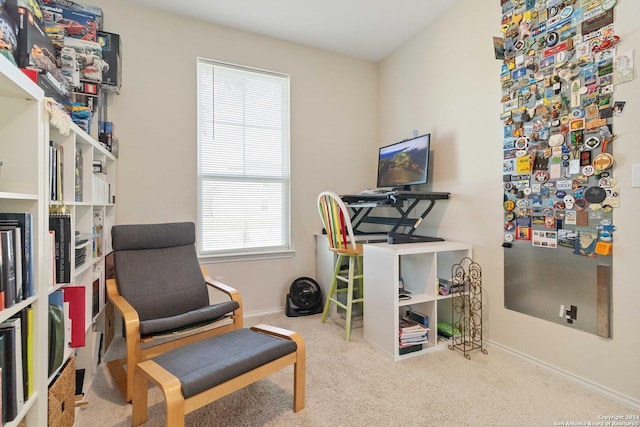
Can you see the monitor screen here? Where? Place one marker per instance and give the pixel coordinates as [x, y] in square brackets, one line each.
[404, 163]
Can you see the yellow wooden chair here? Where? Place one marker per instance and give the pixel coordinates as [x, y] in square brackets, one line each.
[335, 217]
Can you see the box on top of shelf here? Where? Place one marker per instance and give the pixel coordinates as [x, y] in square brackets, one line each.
[111, 47]
[66, 22]
[89, 58]
[78, 7]
[8, 36]
[36, 51]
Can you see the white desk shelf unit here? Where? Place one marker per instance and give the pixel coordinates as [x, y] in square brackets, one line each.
[420, 265]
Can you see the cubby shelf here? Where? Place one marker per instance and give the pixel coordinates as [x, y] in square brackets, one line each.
[419, 265]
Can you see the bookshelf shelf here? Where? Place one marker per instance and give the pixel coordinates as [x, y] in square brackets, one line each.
[420, 265]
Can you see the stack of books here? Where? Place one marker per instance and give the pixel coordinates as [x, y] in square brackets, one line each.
[412, 334]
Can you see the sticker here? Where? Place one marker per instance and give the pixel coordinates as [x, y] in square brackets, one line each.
[578, 113]
[552, 39]
[602, 161]
[556, 140]
[541, 176]
[588, 170]
[521, 143]
[568, 201]
[581, 204]
[567, 11]
[591, 143]
[510, 205]
[595, 194]
[508, 237]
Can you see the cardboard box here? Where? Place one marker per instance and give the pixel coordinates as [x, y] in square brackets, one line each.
[36, 51]
[89, 58]
[77, 7]
[62, 21]
[111, 48]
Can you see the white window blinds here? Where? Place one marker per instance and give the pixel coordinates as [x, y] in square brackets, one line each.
[243, 160]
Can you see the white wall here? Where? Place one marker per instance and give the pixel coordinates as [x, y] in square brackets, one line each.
[446, 81]
[333, 133]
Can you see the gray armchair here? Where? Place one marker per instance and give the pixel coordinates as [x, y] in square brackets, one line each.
[161, 292]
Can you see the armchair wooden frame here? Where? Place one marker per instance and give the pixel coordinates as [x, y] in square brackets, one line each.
[140, 349]
[177, 406]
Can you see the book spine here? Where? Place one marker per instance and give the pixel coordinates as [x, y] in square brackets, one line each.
[8, 267]
[14, 399]
[23, 220]
[61, 225]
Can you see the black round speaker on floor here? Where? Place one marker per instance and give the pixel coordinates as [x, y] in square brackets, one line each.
[304, 298]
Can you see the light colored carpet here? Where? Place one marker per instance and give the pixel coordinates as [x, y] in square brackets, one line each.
[353, 384]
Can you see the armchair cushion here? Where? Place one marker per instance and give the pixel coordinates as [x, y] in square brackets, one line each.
[158, 273]
[205, 364]
[187, 320]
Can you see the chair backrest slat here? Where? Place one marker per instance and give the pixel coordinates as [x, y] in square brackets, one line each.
[336, 221]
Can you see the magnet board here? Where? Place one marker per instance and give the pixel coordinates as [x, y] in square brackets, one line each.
[557, 81]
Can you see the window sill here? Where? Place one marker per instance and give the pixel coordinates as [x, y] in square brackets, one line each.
[253, 256]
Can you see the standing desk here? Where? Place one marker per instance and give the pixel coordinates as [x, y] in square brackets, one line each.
[362, 206]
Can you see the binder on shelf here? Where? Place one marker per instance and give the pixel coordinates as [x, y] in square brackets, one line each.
[61, 225]
[30, 359]
[25, 325]
[23, 221]
[17, 260]
[7, 260]
[57, 327]
[75, 296]
[13, 401]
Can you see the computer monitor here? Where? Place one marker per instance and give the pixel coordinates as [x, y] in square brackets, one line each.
[404, 163]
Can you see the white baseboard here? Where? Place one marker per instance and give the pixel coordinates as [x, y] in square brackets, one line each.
[264, 312]
[598, 388]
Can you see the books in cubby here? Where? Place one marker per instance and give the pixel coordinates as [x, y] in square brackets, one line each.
[22, 245]
[8, 268]
[12, 368]
[411, 333]
[56, 170]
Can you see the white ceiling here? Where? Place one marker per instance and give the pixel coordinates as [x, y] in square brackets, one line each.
[366, 29]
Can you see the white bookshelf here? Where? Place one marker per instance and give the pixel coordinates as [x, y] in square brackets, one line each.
[22, 189]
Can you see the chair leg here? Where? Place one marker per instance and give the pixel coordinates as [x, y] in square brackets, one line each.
[332, 289]
[360, 272]
[350, 297]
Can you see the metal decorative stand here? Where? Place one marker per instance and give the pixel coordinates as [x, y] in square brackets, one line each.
[466, 307]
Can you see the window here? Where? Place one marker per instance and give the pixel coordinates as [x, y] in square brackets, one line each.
[243, 161]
